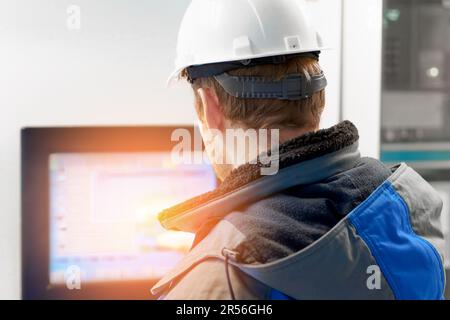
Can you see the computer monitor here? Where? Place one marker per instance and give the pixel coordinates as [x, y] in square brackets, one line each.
[90, 202]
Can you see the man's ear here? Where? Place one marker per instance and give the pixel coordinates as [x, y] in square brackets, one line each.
[212, 115]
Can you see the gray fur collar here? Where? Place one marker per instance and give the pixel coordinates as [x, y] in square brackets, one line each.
[300, 149]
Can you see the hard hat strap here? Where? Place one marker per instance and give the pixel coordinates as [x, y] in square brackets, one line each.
[292, 87]
[214, 69]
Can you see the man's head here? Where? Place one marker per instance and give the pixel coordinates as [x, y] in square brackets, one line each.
[253, 64]
[219, 110]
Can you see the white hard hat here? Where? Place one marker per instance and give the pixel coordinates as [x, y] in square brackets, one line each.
[214, 31]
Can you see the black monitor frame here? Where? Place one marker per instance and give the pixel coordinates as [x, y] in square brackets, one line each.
[37, 145]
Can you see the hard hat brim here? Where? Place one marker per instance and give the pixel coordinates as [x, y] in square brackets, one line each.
[175, 75]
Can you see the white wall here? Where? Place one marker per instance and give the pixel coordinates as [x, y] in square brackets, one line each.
[361, 73]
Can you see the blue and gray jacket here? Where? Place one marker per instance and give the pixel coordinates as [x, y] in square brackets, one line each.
[329, 225]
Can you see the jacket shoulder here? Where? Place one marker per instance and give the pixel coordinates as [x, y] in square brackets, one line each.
[201, 274]
[208, 281]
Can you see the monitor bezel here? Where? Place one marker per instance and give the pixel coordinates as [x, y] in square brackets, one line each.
[37, 144]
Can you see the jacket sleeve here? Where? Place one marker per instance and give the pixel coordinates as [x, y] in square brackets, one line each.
[208, 281]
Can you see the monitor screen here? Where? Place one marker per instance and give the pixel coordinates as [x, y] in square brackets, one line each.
[103, 214]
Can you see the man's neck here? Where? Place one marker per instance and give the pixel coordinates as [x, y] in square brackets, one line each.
[285, 134]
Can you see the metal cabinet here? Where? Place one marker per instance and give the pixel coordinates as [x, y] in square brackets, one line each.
[415, 108]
